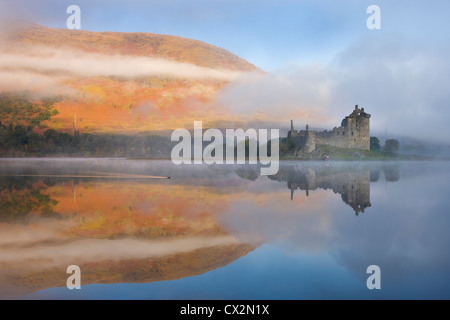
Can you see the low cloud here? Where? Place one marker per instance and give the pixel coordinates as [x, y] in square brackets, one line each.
[276, 98]
[34, 65]
[39, 84]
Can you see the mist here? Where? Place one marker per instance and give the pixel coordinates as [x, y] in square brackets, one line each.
[403, 85]
[36, 66]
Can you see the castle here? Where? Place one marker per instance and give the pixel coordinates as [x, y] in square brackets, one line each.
[354, 132]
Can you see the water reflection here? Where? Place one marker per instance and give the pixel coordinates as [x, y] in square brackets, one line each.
[20, 198]
[353, 184]
[141, 230]
[350, 181]
[117, 230]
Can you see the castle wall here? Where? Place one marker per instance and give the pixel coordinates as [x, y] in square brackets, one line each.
[304, 139]
[299, 141]
[353, 133]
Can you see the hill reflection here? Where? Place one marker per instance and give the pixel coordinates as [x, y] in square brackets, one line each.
[116, 230]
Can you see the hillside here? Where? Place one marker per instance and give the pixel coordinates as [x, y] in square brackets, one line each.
[116, 82]
[134, 44]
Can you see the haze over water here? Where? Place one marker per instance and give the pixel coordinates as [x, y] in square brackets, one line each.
[223, 232]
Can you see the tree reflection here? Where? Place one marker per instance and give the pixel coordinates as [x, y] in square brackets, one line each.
[21, 198]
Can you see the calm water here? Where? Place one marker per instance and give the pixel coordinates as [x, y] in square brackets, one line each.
[223, 232]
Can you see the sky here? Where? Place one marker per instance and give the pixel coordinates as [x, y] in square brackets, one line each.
[270, 34]
[324, 49]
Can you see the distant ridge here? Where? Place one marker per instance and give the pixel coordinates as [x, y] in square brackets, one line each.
[135, 44]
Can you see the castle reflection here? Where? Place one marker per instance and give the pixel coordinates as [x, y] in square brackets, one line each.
[351, 182]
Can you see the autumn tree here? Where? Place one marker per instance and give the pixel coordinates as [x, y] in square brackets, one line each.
[16, 110]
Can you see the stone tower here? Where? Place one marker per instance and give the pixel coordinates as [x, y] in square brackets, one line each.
[357, 129]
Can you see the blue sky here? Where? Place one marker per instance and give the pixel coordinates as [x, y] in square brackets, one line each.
[270, 34]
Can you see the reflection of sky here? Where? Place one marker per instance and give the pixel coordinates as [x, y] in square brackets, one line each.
[317, 248]
[259, 275]
[268, 273]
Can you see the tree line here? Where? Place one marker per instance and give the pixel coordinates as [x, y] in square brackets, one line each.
[21, 119]
[391, 146]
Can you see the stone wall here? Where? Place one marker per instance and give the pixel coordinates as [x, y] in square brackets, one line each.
[354, 133]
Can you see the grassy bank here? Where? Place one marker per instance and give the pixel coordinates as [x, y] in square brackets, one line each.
[343, 154]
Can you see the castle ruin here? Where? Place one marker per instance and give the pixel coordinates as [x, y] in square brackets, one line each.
[354, 133]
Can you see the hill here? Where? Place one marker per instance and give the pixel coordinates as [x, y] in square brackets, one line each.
[135, 44]
[119, 82]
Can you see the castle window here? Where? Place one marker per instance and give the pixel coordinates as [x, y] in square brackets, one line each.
[352, 132]
[343, 133]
